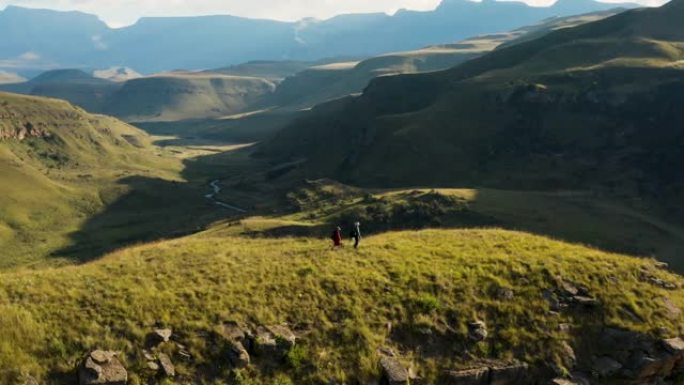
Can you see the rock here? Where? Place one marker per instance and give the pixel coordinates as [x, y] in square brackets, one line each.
[562, 381]
[605, 367]
[393, 372]
[102, 368]
[153, 366]
[569, 289]
[564, 327]
[674, 345]
[386, 351]
[29, 380]
[661, 265]
[517, 374]
[478, 376]
[568, 356]
[236, 338]
[148, 356]
[585, 301]
[274, 341]
[477, 331]
[505, 294]
[167, 366]
[283, 335]
[163, 335]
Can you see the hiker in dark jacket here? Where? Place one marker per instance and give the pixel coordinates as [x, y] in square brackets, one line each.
[356, 234]
[337, 237]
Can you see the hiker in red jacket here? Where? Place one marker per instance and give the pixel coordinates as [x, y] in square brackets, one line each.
[337, 237]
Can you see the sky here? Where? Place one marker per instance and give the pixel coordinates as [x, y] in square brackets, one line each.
[118, 13]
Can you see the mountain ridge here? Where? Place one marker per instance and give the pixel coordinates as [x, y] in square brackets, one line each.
[99, 46]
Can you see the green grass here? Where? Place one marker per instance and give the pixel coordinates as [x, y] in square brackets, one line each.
[56, 191]
[341, 300]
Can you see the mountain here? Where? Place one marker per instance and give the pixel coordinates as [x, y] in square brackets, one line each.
[153, 44]
[322, 83]
[179, 96]
[590, 107]
[73, 85]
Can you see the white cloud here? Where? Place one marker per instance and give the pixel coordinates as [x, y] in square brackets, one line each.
[124, 12]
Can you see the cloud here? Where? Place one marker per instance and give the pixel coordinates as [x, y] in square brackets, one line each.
[125, 12]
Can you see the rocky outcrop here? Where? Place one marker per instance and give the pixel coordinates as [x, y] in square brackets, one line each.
[515, 374]
[393, 372]
[235, 338]
[102, 368]
[273, 341]
[23, 131]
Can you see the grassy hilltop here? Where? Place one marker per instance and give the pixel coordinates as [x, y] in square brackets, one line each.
[427, 285]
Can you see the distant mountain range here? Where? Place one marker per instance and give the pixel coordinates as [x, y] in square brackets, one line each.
[44, 39]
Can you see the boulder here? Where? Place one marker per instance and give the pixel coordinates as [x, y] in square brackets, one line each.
[477, 331]
[516, 374]
[272, 341]
[236, 339]
[166, 365]
[393, 372]
[568, 357]
[102, 368]
[479, 376]
[605, 367]
[163, 335]
[674, 345]
[153, 366]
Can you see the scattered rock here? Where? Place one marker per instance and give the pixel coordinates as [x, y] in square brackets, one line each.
[102, 368]
[564, 327]
[605, 367]
[167, 366]
[236, 338]
[653, 280]
[153, 366]
[477, 331]
[478, 376]
[661, 265]
[393, 372]
[283, 335]
[385, 351]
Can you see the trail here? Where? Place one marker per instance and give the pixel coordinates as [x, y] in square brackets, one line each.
[216, 189]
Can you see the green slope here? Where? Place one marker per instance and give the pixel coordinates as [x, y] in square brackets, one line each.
[178, 96]
[59, 166]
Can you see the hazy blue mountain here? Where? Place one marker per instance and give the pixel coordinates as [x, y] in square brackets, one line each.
[46, 39]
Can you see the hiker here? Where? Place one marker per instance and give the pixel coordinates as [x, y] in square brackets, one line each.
[337, 237]
[356, 234]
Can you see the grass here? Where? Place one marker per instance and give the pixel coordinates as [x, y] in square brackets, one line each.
[340, 301]
[82, 188]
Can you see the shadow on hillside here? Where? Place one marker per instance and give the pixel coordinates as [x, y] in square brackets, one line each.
[152, 209]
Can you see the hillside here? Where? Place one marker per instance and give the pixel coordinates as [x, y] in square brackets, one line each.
[178, 96]
[591, 107]
[409, 295]
[152, 44]
[60, 167]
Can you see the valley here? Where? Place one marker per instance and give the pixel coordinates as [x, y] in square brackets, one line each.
[518, 196]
